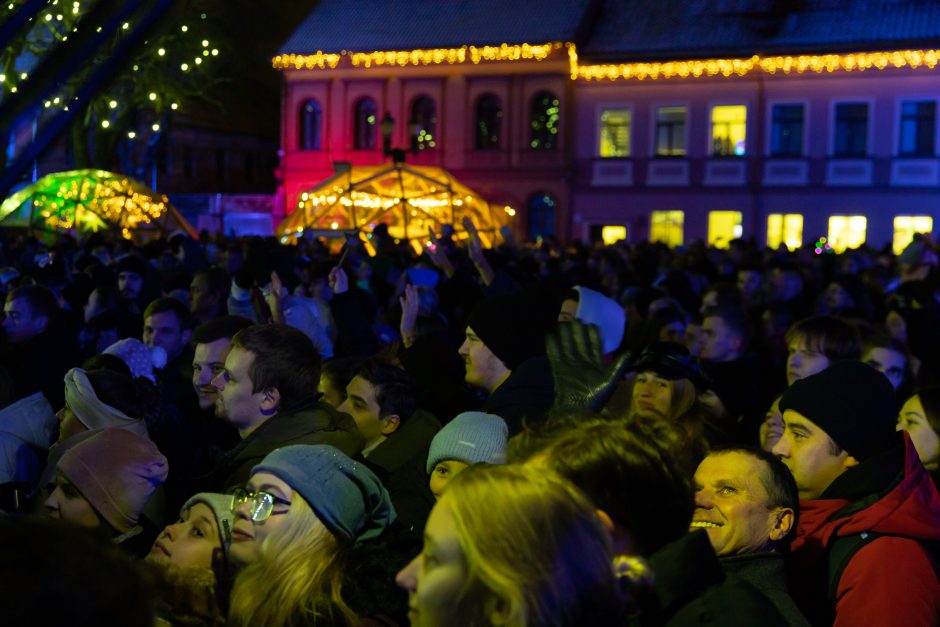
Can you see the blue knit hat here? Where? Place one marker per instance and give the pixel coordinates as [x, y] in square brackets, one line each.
[472, 437]
[344, 494]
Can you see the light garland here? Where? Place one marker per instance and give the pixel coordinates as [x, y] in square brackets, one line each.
[693, 68]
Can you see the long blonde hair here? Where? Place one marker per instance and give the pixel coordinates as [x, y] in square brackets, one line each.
[536, 553]
[298, 579]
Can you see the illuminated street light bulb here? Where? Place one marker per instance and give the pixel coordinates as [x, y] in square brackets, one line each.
[131, 134]
[152, 96]
[156, 128]
[105, 124]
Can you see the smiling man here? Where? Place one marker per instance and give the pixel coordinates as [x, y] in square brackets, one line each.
[869, 508]
[747, 503]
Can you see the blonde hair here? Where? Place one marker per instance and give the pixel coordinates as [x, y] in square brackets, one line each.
[297, 580]
[535, 551]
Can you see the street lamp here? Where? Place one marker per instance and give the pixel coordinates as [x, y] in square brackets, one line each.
[387, 126]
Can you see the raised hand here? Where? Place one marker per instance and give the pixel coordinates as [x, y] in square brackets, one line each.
[339, 282]
[409, 314]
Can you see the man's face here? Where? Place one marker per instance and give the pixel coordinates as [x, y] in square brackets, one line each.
[20, 323]
[803, 360]
[890, 363]
[163, 329]
[808, 452]
[236, 402]
[484, 369]
[362, 405]
[130, 284]
[201, 300]
[731, 504]
[720, 342]
[749, 282]
[209, 362]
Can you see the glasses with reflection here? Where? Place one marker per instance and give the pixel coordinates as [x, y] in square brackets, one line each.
[262, 504]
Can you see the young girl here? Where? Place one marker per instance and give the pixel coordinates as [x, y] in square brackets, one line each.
[472, 437]
[304, 508]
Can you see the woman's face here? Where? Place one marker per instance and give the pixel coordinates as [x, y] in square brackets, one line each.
[652, 395]
[190, 542]
[913, 420]
[67, 503]
[69, 424]
[247, 535]
[435, 579]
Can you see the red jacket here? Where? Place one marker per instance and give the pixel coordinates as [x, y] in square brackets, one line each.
[891, 580]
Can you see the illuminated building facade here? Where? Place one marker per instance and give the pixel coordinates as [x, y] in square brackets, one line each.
[673, 120]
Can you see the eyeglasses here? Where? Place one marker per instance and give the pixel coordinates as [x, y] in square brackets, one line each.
[262, 504]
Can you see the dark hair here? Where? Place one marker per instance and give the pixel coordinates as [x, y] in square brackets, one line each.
[284, 358]
[107, 361]
[395, 389]
[168, 304]
[340, 371]
[777, 480]
[631, 478]
[42, 302]
[727, 294]
[930, 399]
[223, 327]
[93, 582]
[217, 281]
[833, 337]
[733, 317]
[122, 392]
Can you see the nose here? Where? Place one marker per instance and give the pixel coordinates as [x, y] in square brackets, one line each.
[703, 500]
[52, 504]
[464, 349]
[782, 447]
[204, 377]
[243, 510]
[343, 407]
[794, 360]
[407, 577]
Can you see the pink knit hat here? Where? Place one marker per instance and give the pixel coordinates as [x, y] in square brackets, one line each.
[117, 472]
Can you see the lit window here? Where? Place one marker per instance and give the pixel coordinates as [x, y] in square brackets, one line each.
[851, 132]
[786, 229]
[489, 122]
[667, 227]
[847, 232]
[310, 125]
[905, 227]
[918, 129]
[670, 131]
[613, 234]
[364, 121]
[786, 133]
[723, 226]
[424, 121]
[615, 133]
[543, 121]
[728, 129]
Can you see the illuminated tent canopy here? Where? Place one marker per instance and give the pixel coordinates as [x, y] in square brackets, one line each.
[408, 198]
[85, 201]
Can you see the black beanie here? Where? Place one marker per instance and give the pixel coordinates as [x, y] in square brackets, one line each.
[852, 402]
[131, 263]
[511, 326]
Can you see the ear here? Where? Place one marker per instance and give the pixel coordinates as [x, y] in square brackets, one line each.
[783, 523]
[270, 400]
[185, 335]
[42, 322]
[390, 424]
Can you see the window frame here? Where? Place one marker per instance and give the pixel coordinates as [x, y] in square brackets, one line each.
[501, 133]
[598, 130]
[654, 129]
[899, 120]
[556, 147]
[376, 139]
[804, 135]
[833, 125]
[709, 137]
[318, 128]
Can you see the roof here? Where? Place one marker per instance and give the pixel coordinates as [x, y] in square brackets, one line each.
[368, 25]
[657, 29]
[623, 29]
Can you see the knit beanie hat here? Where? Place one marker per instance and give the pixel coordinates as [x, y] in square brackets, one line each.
[140, 360]
[511, 326]
[91, 411]
[131, 263]
[344, 494]
[472, 437]
[605, 313]
[852, 402]
[221, 506]
[117, 472]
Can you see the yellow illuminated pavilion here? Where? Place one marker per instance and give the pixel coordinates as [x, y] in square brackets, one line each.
[410, 199]
[81, 201]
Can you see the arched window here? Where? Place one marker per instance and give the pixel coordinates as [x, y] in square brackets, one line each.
[365, 121]
[424, 119]
[540, 215]
[543, 121]
[310, 126]
[489, 122]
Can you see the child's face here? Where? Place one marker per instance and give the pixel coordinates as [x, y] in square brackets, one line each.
[443, 472]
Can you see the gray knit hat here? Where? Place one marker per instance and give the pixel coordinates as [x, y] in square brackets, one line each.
[472, 437]
[221, 506]
[344, 494]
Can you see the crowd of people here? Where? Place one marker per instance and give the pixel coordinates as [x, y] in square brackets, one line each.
[231, 431]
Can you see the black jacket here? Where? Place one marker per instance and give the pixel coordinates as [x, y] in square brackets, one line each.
[525, 397]
[765, 572]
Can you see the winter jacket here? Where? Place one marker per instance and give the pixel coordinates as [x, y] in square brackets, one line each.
[400, 462]
[525, 396]
[893, 579]
[764, 571]
[27, 429]
[314, 422]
